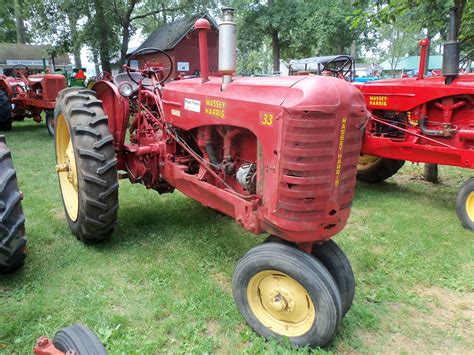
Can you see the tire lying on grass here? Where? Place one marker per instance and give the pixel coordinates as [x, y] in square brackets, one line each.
[80, 339]
[12, 220]
[284, 292]
[86, 164]
[372, 169]
[465, 204]
[5, 112]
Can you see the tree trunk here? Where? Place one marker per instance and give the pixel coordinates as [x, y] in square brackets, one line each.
[124, 46]
[76, 47]
[19, 22]
[102, 32]
[276, 51]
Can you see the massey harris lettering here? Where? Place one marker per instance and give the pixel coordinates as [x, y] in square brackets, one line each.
[339, 151]
[215, 108]
[378, 100]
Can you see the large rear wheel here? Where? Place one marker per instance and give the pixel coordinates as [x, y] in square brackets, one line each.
[86, 164]
[12, 220]
[284, 292]
[5, 112]
[372, 169]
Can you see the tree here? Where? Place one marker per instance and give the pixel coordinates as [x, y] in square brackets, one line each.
[19, 22]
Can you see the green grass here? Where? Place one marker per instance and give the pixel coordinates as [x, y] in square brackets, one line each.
[162, 282]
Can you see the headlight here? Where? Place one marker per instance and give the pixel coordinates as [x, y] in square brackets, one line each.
[125, 89]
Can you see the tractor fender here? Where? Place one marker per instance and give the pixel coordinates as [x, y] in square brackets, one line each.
[117, 109]
[4, 84]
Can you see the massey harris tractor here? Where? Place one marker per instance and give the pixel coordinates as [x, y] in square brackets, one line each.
[422, 119]
[29, 95]
[278, 155]
[12, 219]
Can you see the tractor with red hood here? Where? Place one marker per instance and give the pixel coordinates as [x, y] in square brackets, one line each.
[277, 154]
[24, 95]
[423, 119]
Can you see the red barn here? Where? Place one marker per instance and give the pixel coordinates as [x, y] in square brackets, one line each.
[180, 41]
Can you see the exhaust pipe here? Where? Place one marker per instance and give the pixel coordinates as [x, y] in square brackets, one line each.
[451, 50]
[227, 46]
[202, 25]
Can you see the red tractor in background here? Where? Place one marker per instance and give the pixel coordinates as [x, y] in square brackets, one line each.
[25, 95]
[422, 119]
[278, 155]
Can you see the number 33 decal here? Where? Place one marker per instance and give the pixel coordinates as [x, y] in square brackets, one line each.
[266, 119]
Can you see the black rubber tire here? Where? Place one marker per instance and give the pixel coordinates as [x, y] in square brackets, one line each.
[308, 272]
[49, 120]
[96, 164]
[5, 112]
[466, 189]
[430, 172]
[338, 265]
[80, 339]
[380, 171]
[12, 219]
[336, 262]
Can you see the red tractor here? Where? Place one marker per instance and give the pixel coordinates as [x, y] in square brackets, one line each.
[422, 119]
[278, 155]
[25, 95]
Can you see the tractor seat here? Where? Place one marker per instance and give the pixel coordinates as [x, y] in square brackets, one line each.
[124, 77]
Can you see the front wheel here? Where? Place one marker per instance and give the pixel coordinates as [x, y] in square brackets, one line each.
[284, 292]
[5, 111]
[86, 164]
[372, 169]
[50, 122]
[465, 204]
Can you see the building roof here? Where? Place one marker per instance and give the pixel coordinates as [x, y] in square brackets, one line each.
[168, 36]
[28, 52]
[413, 63]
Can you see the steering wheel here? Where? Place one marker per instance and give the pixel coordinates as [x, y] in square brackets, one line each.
[104, 75]
[20, 68]
[150, 70]
[342, 69]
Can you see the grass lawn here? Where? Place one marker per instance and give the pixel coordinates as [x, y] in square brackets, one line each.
[162, 282]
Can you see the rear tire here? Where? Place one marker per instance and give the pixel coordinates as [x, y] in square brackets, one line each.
[465, 204]
[85, 153]
[12, 220]
[284, 292]
[80, 339]
[378, 170]
[5, 111]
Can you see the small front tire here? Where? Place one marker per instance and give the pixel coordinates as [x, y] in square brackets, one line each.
[284, 292]
[465, 204]
[372, 169]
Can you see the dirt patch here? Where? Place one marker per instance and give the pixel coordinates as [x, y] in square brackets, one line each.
[444, 326]
[222, 281]
[212, 327]
[59, 215]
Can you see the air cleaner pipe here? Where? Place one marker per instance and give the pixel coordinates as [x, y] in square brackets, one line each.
[202, 25]
[424, 43]
[227, 46]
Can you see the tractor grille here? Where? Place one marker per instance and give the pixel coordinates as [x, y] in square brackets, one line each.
[309, 157]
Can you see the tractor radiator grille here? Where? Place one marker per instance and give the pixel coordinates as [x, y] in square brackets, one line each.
[309, 157]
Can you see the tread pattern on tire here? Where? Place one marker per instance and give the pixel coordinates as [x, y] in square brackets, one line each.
[466, 189]
[80, 339]
[96, 163]
[5, 112]
[380, 171]
[12, 219]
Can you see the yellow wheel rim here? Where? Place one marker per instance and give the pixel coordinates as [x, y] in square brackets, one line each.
[66, 168]
[367, 161]
[470, 206]
[280, 303]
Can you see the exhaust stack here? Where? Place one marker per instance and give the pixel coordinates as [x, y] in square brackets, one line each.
[202, 25]
[451, 50]
[227, 46]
